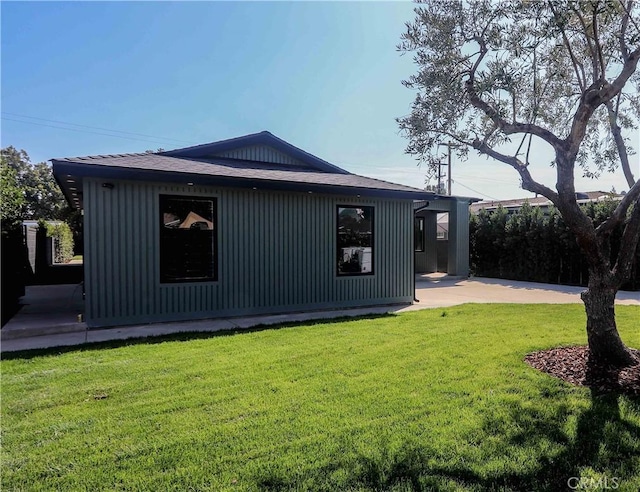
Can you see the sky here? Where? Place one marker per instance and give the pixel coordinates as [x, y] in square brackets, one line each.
[91, 78]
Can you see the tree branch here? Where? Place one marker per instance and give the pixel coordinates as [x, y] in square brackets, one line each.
[624, 49]
[628, 244]
[594, 96]
[622, 148]
[628, 18]
[528, 183]
[582, 83]
[503, 125]
[609, 91]
[594, 59]
[492, 113]
[619, 214]
[524, 138]
[596, 41]
[528, 149]
[483, 51]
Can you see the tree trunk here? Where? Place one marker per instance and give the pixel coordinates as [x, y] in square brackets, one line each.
[605, 345]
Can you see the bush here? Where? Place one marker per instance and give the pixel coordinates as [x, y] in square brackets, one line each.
[537, 246]
[62, 241]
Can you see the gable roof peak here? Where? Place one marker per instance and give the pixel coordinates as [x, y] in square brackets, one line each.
[264, 139]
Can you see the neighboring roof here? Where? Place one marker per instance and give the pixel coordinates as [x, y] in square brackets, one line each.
[202, 165]
[541, 201]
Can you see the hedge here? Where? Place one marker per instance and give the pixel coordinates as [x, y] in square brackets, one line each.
[62, 241]
[535, 245]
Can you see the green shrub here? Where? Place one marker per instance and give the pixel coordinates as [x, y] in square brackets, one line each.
[537, 246]
[62, 241]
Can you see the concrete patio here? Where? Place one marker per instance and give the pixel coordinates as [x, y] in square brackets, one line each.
[50, 316]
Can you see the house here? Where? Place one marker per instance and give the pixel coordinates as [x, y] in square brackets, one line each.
[442, 235]
[513, 205]
[250, 225]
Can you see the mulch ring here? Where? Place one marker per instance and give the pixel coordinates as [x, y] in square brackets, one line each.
[571, 365]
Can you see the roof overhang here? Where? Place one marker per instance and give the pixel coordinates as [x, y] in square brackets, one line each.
[441, 203]
[69, 176]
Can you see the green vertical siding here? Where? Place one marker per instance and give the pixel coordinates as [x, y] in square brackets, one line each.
[276, 253]
[261, 153]
[458, 249]
[427, 260]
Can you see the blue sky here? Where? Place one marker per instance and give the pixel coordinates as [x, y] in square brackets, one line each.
[325, 76]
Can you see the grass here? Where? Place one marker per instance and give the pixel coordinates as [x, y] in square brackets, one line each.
[430, 400]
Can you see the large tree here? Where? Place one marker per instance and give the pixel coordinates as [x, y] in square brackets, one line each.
[11, 197]
[41, 195]
[500, 76]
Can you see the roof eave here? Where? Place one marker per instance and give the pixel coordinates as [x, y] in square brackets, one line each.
[107, 172]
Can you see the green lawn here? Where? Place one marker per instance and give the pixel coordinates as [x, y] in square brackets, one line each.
[429, 400]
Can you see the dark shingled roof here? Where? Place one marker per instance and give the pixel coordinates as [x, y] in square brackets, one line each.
[185, 165]
[234, 169]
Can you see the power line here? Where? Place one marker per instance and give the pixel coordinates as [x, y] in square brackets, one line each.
[163, 139]
[475, 191]
[492, 180]
[81, 131]
[96, 127]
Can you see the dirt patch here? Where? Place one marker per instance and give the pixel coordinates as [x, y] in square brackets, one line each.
[571, 364]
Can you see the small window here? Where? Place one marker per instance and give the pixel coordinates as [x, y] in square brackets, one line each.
[187, 239]
[442, 232]
[355, 240]
[418, 234]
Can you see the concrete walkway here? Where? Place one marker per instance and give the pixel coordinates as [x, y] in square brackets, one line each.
[441, 291]
[49, 317]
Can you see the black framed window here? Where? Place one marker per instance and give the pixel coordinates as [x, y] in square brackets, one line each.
[187, 239]
[355, 240]
[418, 234]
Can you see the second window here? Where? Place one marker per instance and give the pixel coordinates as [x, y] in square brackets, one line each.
[355, 240]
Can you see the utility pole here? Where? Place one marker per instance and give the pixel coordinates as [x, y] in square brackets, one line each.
[440, 164]
[449, 168]
[449, 146]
